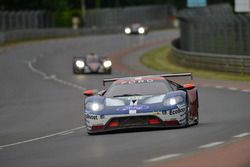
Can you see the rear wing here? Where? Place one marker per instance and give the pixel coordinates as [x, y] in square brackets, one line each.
[162, 75]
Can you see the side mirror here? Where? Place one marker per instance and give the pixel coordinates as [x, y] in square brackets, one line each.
[188, 86]
[88, 92]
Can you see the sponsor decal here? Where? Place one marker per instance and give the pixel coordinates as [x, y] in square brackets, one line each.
[134, 81]
[164, 112]
[132, 111]
[176, 111]
[181, 106]
[88, 116]
[136, 107]
[135, 98]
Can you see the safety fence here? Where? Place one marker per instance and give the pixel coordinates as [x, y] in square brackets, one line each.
[23, 25]
[215, 29]
[218, 9]
[221, 62]
[16, 20]
[152, 16]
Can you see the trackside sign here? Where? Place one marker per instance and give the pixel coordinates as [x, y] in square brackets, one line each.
[196, 3]
[242, 6]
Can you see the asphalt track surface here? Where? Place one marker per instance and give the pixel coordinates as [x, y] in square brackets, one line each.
[41, 118]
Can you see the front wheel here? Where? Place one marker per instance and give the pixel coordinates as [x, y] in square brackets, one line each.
[75, 72]
[109, 71]
[196, 121]
[187, 124]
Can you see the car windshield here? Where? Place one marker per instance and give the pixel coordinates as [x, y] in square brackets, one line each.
[138, 89]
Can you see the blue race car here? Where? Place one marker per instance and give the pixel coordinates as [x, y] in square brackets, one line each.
[141, 102]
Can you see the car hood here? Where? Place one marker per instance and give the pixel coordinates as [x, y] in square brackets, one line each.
[94, 66]
[142, 104]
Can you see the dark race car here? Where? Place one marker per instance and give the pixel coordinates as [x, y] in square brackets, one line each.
[91, 63]
[136, 29]
[141, 102]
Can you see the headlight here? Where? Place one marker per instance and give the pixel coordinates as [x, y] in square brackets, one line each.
[127, 30]
[93, 106]
[173, 101]
[79, 63]
[107, 63]
[141, 30]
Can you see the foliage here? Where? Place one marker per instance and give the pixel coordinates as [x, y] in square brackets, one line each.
[57, 5]
[64, 18]
[52, 5]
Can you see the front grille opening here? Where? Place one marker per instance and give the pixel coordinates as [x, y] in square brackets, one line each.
[136, 121]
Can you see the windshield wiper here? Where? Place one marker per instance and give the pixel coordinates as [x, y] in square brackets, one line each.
[124, 95]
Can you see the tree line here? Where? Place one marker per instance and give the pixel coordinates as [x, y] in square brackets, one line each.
[58, 5]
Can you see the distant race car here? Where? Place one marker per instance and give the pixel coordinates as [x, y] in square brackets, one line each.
[91, 63]
[136, 29]
[141, 102]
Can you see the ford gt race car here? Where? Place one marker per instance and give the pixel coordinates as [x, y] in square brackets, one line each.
[91, 63]
[135, 29]
[141, 102]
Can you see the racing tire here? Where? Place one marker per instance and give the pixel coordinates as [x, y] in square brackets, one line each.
[109, 71]
[93, 133]
[187, 118]
[89, 133]
[75, 71]
[196, 122]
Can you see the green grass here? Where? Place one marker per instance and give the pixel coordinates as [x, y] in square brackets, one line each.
[160, 60]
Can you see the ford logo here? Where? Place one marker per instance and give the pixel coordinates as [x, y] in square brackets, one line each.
[137, 107]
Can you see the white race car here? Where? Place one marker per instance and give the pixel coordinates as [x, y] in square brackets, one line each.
[92, 63]
[141, 102]
[136, 29]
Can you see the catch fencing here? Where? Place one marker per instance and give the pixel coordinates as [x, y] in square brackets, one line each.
[23, 25]
[152, 16]
[213, 38]
[211, 30]
[18, 20]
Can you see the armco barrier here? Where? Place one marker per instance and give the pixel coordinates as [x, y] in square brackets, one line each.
[227, 63]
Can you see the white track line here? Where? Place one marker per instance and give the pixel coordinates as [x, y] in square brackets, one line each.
[164, 157]
[67, 133]
[35, 70]
[241, 135]
[205, 85]
[40, 138]
[52, 77]
[245, 90]
[219, 87]
[212, 144]
[233, 89]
